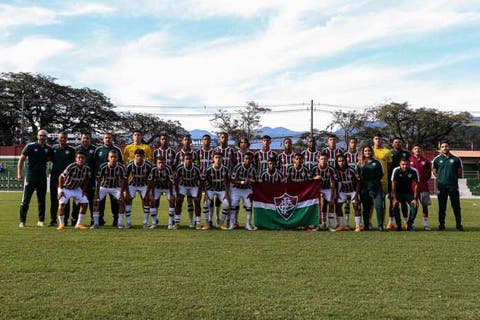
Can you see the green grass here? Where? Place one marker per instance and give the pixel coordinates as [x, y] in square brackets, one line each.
[188, 274]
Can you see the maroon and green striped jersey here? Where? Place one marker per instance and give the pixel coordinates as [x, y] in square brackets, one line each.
[261, 159]
[138, 174]
[205, 158]
[188, 177]
[110, 177]
[297, 175]
[327, 176]
[271, 177]
[310, 158]
[284, 161]
[332, 154]
[352, 158]
[242, 177]
[180, 154]
[240, 156]
[228, 156]
[217, 179]
[347, 180]
[161, 178]
[168, 153]
[74, 176]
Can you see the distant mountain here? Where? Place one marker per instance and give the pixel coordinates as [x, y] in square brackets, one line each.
[198, 134]
[279, 132]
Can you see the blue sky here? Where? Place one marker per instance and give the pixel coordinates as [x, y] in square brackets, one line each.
[199, 55]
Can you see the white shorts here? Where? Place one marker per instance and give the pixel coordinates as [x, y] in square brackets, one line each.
[188, 191]
[158, 192]
[76, 194]
[221, 195]
[326, 194]
[244, 194]
[424, 199]
[344, 196]
[114, 192]
[132, 190]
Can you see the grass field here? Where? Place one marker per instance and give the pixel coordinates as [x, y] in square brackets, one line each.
[188, 274]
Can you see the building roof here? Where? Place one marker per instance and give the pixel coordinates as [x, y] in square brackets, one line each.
[465, 153]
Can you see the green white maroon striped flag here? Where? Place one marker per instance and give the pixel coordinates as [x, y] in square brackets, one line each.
[286, 205]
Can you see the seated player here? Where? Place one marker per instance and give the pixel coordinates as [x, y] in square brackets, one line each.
[348, 182]
[73, 183]
[326, 175]
[217, 184]
[405, 191]
[271, 174]
[137, 173]
[112, 180]
[161, 181]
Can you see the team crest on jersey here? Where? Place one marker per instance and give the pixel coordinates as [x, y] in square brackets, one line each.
[91, 151]
[374, 164]
[67, 152]
[285, 205]
[35, 149]
[451, 160]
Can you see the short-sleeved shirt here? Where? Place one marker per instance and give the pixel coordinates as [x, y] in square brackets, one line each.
[205, 158]
[168, 153]
[371, 174]
[129, 152]
[181, 154]
[161, 178]
[271, 177]
[73, 176]
[352, 158]
[404, 180]
[347, 180]
[111, 176]
[240, 155]
[332, 154]
[297, 175]
[188, 177]
[384, 155]
[261, 159]
[398, 155]
[37, 156]
[62, 157]
[447, 170]
[285, 160]
[310, 158]
[242, 177]
[89, 155]
[423, 167]
[217, 179]
[228, 156]
[327, 176]
[101, 154]
[137, 175]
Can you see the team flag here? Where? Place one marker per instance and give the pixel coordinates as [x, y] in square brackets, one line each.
[286, 205]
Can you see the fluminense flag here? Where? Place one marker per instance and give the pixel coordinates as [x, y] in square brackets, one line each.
[286, 205]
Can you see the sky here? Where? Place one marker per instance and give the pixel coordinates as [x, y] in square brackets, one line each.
[184, 59]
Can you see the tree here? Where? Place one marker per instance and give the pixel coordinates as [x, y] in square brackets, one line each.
[247, 124]
[349, 122]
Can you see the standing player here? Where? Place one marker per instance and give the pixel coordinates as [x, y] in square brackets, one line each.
[165, 151]
[112, 180]
[348, 189]
[352, 153]
[404, 190]
[229, 160]
[242, 177]
[138, 171]
[311, 154]
[424, 169]
[101, 157]
[448, 169]
[262, 156]
[285, 159]
[88, 150]
[331, 150]
[383, 155]
[73, 183]
[297, 172]
[129, 151]
[188, 184]
[205, 159]
[397, 154]
[217, 184]
[161, 181]
[370, 172]
[63, 155]
[271, 175]
[243, 149]
[326, 174]
[38, 153]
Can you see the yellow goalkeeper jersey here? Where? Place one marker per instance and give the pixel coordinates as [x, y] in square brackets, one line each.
[384, 155]
[129, 152]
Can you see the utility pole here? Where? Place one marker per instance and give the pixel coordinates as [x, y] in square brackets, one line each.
[311, 117]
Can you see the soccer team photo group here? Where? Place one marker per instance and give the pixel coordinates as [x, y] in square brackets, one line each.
[359, 188]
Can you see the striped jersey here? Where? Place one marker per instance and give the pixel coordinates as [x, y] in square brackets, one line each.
[352, 158]
[161, 178]
[310, 158]
[205, 158]
[240, 156]
[261, 159]
[217, 179]
[111, 176]
[347, 180]
[169, 154]
[300, 175]
[242, 177]
[74, 176]
[271, 177]
[138, 174]
[332, 154]
[180, 154]
[188, 177]
[284, 161]
[327, 176]
[228, 156]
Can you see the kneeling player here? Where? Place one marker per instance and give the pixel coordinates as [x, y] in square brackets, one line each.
[242, 177]
[271, 174]
[404, 191]
[348, 182]
[111, 179]
[326, 175]
[73, 183]
[188, 183]
[217, 184]
[160, 181]
[137, 173]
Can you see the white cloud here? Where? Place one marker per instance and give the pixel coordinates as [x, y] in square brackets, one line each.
[88, 9]
[12, 16]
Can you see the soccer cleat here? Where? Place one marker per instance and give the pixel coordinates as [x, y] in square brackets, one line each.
[60, 227]
[176, 226]
[381, 228]
[250, 228]
[206, 227]
[237, 225]
[198, 226]
[224, 227]
[191, 224]
[154, 226]
[404, 226]
[441, 227]
[94, 226]
[145, 226]
[390, 226]
[427, 228]
[128, 226]
[358, 229]
[340, 228]
[41, 224]
[346, 228]
[459, 227]
[120, 226]
[170, 227]
[21, 225]
[80, 227]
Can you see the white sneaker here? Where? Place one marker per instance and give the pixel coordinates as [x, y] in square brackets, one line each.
[121, 226]
[153, 226]
[94, 226]
[21, 225]
[41, 224]
[170, 227]
[250, 228]
[427, 228]
[331, 229]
